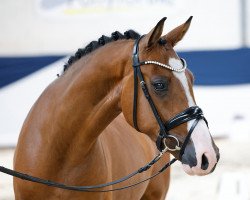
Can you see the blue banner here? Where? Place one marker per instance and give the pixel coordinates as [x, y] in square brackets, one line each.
[220, 67]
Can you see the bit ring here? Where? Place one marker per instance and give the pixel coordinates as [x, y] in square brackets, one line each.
[177, 146]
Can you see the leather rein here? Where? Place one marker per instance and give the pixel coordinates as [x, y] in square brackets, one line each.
[192, 113]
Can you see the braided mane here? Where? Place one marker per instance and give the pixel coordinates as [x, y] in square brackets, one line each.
[130, 34]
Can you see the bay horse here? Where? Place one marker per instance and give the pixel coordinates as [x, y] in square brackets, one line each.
[81, 129]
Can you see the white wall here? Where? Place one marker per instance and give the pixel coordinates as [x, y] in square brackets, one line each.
[27, 30]
[17, 99]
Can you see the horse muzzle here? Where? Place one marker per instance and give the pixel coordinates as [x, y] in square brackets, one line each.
[200, 161]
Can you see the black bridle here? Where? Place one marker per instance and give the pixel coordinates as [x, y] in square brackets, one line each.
[192, 113]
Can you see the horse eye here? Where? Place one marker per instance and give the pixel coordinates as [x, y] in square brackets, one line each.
[160, 86]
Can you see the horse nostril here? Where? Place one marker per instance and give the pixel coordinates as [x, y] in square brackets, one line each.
[204, 162]
[218, 156]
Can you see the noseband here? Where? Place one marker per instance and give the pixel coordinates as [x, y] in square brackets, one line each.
[191, 113]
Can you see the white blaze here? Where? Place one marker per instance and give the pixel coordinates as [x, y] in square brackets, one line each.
[177, 64]
[200, 136]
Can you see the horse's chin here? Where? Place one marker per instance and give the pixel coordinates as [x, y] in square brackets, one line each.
[194, 171]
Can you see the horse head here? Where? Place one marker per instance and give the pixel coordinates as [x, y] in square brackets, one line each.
[170, 87]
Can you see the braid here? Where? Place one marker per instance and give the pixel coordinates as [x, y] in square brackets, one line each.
[130, 34]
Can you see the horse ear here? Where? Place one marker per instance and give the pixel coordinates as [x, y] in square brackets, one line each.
[154, 35]
[176, 35]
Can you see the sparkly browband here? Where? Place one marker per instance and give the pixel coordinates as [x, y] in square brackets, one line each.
[167, 66]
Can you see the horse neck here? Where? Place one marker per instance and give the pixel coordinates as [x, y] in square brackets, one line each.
[91, 94]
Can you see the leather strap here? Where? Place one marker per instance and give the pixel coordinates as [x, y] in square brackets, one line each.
[92, 187]
[187, 139]
[190, 113]
[138, 75]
